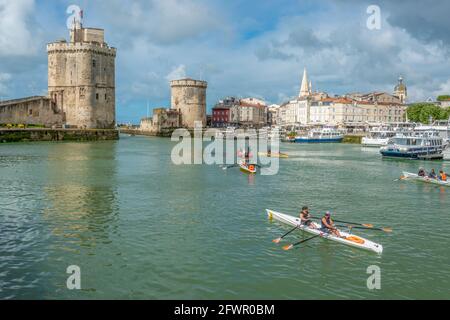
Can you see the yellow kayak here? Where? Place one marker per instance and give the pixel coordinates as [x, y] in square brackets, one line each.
[251, 169]
[273, 155]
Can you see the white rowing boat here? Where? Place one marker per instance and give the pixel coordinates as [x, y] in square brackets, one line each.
[250, 169]
[413, 176]
[348, 239]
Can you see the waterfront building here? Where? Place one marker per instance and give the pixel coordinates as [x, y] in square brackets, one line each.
[252, 112]
[355, 109]
[81, 85]
[221, 116]
[164, 119]
[401, 91]
[189, 99]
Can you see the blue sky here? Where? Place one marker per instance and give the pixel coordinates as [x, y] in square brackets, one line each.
[242, 48]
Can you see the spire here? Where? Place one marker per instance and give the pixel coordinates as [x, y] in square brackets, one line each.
[305, 88]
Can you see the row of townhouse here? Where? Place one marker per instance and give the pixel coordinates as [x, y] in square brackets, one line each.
[248, 112]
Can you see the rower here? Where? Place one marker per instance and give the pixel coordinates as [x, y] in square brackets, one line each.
[305, 218]
[328, 225]
[421, 173]
[432, 174]
[442, 176]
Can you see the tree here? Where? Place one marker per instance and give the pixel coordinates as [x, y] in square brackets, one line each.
[421, 112]
[444, 97]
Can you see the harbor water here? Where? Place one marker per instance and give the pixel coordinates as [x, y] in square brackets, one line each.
[140, 227]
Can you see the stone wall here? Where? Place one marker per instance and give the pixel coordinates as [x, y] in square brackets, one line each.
[25, 135]
[189, 98]
[31, 111]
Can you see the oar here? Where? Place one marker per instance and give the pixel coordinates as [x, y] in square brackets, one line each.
[291, 246]
[367, 225]
[388, 230]
[229, 167]
[281, 238]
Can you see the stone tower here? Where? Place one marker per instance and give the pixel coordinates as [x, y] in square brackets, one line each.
[401, 91]
[81, 78]
[189, 98]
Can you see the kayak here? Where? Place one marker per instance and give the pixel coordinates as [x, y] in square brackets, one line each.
[251, 169]
[273, 155]
[413, 176]
[348, 239]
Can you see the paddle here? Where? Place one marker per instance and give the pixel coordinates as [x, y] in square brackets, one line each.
[387, 230]
[354, 223]
[281, 238]
[229, 167]
[291, 246]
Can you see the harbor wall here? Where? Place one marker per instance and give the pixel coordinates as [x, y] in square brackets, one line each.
[32, 135]
[355, 139]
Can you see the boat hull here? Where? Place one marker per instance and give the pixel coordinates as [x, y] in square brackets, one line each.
[293, 221]
[246, 169]
[415, 177]
[325, 140]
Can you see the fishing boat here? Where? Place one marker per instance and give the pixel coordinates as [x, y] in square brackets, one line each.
[378, 137]
[247, 168]
[427, 145]
[288, 139]
[348, 238]
[273, 155]
[324, 135]
[415, 177]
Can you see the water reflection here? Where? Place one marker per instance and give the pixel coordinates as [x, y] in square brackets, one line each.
[81, 193]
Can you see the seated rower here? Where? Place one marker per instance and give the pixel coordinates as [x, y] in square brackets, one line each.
[442, 176]
[328, 225]
[421, 173]
[432, 174]
[305, 218]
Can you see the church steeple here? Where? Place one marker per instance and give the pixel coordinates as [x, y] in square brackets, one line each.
[305, 89]
[400, 90]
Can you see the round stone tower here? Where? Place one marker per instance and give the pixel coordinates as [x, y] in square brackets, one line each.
[189, 98]
[81, 79]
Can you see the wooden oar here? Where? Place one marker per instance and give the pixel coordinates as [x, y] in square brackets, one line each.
[282, 237]
[388, 230]
[291, 246]
[367, 225]
[229, 167]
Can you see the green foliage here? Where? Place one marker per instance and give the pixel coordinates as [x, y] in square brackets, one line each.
[443, 97]
[421, 112]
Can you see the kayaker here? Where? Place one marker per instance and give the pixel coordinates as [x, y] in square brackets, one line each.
[328, 225]
[305, 218]
[422, 173]
[442, 176]
[432, 174]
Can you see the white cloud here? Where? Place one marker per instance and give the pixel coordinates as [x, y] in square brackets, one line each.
[4, 78]
[15, 36]
[178, 72]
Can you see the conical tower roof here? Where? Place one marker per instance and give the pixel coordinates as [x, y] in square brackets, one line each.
[305, 90]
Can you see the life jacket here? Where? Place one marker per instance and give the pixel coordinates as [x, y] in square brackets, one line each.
[328, 221]
[443, 177]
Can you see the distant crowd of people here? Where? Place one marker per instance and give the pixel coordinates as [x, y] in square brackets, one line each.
[442, 176]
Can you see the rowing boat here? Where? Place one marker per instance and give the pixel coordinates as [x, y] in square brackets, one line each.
[413, 176]
[273, 155]
[348, 239]
[251, 169]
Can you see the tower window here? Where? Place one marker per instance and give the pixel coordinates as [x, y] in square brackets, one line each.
[96, 96]
[94, 63]
[105, 96]
[30, 112]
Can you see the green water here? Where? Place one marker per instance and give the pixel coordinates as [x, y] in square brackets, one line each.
[142, 228]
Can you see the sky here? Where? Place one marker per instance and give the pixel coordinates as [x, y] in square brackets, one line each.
[243, 48]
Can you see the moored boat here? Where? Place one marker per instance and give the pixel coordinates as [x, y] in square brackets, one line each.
[324, 135]
[416, 177]
[348, 239]
[426, 146]
[378, 138]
